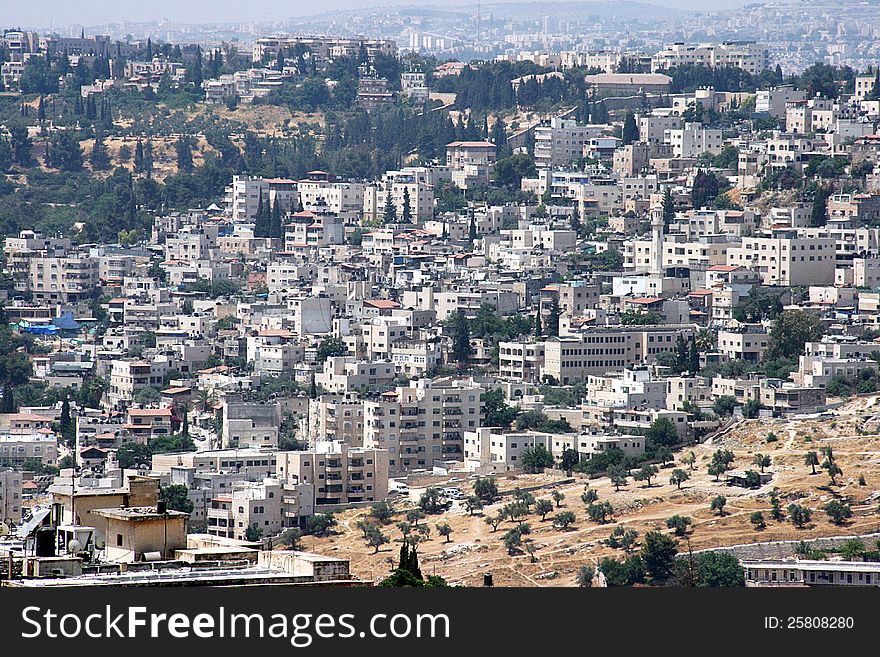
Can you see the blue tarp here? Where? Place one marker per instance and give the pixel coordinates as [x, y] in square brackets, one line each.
[66, 322]
[49, 329]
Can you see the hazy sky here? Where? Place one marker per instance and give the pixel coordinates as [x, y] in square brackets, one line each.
[38, 13]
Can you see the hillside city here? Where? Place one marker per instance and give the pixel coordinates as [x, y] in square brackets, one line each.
[487, 296]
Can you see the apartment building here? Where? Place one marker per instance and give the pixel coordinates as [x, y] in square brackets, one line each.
[471, 162]
[561, 141]
[252, 464]
[322, 50]
[67, 279]
[422, 422]
[336, 417]
[693, 140]
[521, 360]
[342, 374]
[274, 351]
[242, 197]
[271, 506]
[308, 229]
[829, 358]
[774, 101]
[10, 496]
[810, 572]
[749, 56]
[250, 425]
[627, 84]
[144, 424]
[606, 348]
[746, 342]
[412, 185]
[653, 127]
[339, 473]
[787, 258]
[417, 355]
[323, 191]
[629, 388]
[129, 377]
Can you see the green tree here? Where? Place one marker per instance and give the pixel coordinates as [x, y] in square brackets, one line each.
[658, 555]
[99, 158]
[543, 507]
[563, 520]
[176, 496]
[445, 530]
[762, 461]
[838, 512]
[330, 347]
[689, 460]
[800, 515]
[790, 332]
[568, 460]
[811, 459]
[406, 214]
[723, 405]
[535, 459]
[320, 524]
[585, 576]
[509, 171]
[494, 521]
[461, 339]
[486, 488]
[292, 539]
[617, 475]
[375, 538]
[473, 503]
[430, 502]
[67, 425]
[678, 477]
[600, 511]
[719, 569]
[668, 208]
[557, 496]
[679, 524]
[623, 573]
[757, 519]
[704, 190]
[65, 152]
[646, 473]
[253, 533]
[718, 504]
[830, 464]
[381, 511]
[183, 150]
[389, 215]
[775, 507]
[630, 131]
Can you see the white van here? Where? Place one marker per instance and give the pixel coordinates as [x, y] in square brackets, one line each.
[398, 487]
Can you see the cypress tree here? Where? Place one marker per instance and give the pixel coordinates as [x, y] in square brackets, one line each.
[693, 357]
[139, 157]
[99, 158]
[407, 208]
[276, 229]
[390, 215]
[682, 354]
[261, 225]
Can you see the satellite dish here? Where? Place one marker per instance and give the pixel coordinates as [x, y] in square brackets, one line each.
[74, 546]
[4, 529]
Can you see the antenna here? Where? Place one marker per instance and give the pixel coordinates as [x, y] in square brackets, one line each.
[477, 40]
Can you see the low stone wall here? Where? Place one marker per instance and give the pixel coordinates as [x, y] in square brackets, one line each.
[786, 549]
